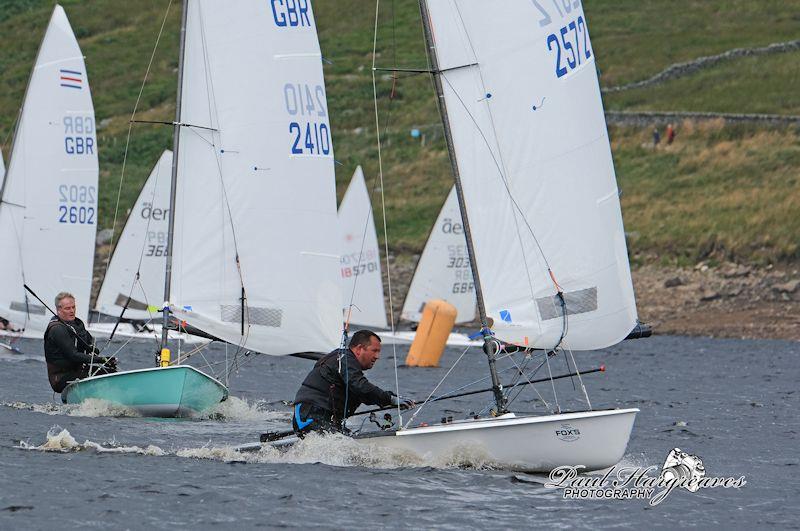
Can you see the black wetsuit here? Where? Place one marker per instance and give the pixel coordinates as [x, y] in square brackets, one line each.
[324, 401]
[67, 349]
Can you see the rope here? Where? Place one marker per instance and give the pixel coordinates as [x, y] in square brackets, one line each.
[552, 382]
[585, 394]
[128, 138]
[383, 210]
[422, 406]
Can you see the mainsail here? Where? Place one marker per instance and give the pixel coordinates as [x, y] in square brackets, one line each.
[141, 248]
[48, 212]
[529, 136]
[443, 271]
[360, 263]
[256, 255]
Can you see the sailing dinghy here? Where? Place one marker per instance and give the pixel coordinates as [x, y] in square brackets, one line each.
[252, 253]
[519, 96]
[48, 200]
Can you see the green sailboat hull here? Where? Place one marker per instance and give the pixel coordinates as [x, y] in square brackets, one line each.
[178, 391]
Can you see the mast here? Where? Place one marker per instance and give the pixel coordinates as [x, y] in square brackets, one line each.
[174, 182]
[489, 345]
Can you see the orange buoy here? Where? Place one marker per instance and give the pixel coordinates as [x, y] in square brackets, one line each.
[438, 318]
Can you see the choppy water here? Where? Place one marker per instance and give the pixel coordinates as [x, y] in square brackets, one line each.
[734, 403]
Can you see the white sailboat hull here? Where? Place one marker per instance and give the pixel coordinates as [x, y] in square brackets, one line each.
[593, 439]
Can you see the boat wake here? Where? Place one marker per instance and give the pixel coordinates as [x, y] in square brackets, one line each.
[332, 449]
[61, 441]
[232, 410]
[91, 407]
[240, 409]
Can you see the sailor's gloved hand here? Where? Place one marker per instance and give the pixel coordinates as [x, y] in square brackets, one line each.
[109, 363]
[404, 403]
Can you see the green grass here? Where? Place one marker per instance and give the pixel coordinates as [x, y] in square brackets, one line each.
[633, 39]
[728, 192]
[765, 84]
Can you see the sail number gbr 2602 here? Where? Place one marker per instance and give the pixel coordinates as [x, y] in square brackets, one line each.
[77, 204]
[309, 133]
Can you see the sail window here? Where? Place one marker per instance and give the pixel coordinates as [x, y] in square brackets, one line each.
[27, 308]
[581, 301]
[232, 313]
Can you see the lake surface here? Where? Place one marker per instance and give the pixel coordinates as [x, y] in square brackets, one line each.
[734, 403]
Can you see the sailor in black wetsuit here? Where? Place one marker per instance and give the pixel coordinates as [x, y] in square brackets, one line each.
[69, 348]
[336, 386]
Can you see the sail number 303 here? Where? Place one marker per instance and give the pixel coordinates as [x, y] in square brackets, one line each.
[309, 133]
[77, 204]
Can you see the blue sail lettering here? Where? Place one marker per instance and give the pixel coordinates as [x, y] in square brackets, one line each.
[290, 13]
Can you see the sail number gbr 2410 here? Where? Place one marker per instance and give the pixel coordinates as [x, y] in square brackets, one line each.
[309, 132]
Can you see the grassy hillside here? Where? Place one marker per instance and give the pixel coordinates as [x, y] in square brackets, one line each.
[683, 202]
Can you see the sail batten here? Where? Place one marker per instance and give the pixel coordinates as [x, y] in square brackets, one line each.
[49, 204]
[258, 184]
[530, 140]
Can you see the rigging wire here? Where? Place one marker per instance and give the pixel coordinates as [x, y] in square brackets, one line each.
[501, 173]
[383, 208]
[213, 113]
[422, 406]
[502, 165]
[580, 379]
[128, 137]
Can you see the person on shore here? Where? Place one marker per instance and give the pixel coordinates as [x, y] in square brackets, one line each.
[656, 137]
[336, 387]
[69, 348]
[670, 134]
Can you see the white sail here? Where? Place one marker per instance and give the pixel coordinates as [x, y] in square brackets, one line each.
[443, 271]
[48, 213]
[256, 181]
[530, 137]
[141, 247]
[360, 257]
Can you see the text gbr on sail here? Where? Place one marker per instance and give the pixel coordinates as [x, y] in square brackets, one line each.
[79, 135]
[290, 13]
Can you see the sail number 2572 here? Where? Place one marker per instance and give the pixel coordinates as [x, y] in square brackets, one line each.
[77, 204]
[570, 45]
[309, 133]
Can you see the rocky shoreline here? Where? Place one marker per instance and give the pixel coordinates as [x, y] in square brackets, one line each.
[728, 300]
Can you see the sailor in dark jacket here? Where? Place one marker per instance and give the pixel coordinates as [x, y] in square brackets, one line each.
[69, 348]
[336, 386]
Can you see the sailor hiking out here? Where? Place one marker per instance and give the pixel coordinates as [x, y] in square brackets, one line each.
[336, 387]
